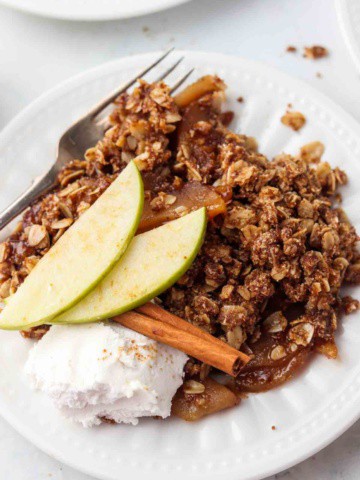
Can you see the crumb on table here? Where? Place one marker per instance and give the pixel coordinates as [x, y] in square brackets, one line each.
[315, 52]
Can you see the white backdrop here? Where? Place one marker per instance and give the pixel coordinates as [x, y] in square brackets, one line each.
[36, 54]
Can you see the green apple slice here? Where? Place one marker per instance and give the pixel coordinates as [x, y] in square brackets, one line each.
[154, 261]
[80, 259]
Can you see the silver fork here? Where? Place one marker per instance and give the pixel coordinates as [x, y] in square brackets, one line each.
[78, 138]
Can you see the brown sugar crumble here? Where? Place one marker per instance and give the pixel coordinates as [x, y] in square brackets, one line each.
[312, 152]
[36, 333]
[294, 120]
[315, 52]
[240, 99]
[273, 427]
[291, 49]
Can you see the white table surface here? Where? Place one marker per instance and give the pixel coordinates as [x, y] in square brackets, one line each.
[36, 54]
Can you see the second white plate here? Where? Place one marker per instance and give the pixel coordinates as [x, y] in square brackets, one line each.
[91, 10]
[348, 12]
[308, 412]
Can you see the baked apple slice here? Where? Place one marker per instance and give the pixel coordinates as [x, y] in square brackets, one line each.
[214, 398]
[190, 197]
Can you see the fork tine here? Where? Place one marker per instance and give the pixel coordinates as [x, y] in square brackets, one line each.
[181, 81]
[169, 70]
[104, 103]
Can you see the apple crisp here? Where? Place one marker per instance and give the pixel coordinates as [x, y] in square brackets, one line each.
[278, 245]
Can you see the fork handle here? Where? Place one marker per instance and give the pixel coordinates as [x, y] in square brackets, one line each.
[39, 187]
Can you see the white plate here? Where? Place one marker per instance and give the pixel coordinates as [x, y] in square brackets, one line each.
[348, 12]
[308, 412]
[91, 10]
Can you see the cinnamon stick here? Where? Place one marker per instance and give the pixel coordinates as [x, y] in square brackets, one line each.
[154, 311]
[218, 355]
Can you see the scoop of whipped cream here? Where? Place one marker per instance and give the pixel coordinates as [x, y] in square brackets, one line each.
[104, 370]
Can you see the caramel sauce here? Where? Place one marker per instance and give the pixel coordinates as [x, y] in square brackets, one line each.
[264, 372]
